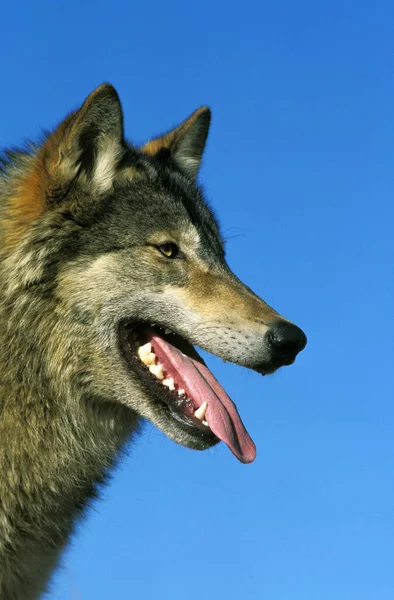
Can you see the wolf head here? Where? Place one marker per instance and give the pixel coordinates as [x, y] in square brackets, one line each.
[123, 243]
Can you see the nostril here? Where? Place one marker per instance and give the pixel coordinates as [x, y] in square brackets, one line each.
[287, 339]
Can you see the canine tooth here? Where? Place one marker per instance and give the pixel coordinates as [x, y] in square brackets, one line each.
[205, 423]
[181, 392]
[150, 359]
[169, 383]
[167, 331]
[157, 370]
[200, 412]
[144, 350]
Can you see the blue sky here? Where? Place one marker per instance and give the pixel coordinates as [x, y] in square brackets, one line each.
[299, 167]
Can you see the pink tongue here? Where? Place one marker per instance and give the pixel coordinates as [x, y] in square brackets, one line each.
[200, 385]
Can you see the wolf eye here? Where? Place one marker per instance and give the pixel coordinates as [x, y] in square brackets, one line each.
[170, 250]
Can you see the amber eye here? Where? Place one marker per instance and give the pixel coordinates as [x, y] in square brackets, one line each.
[170, 250]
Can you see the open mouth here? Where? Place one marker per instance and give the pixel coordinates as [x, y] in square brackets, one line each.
[177, 377]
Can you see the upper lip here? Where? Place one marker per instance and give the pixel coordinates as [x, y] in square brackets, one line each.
[181, 342]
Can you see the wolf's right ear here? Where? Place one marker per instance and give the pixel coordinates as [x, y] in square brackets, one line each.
[87, 145]
[185, 144]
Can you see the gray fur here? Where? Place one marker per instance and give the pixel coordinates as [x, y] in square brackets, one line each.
[87, 260]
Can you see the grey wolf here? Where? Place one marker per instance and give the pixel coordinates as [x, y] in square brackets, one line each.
[112, 268]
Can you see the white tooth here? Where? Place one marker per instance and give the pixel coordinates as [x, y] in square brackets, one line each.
[205, 423]
[200, 412]
[150, 359]
[169, 383]
[167, 331]
[181, 392]
[157, 370]
[144, 350]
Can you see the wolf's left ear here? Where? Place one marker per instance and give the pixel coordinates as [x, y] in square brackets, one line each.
[87, 144]
[185, 144]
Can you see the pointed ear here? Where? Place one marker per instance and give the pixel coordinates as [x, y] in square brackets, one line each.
[87, 145]
[185, 144]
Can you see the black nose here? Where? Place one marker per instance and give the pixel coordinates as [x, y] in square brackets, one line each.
[286, 340]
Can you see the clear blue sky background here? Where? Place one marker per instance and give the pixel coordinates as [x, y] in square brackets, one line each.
[299, 167]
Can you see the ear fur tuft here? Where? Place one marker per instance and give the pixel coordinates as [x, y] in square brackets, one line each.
[185, 144]
[88, 143]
